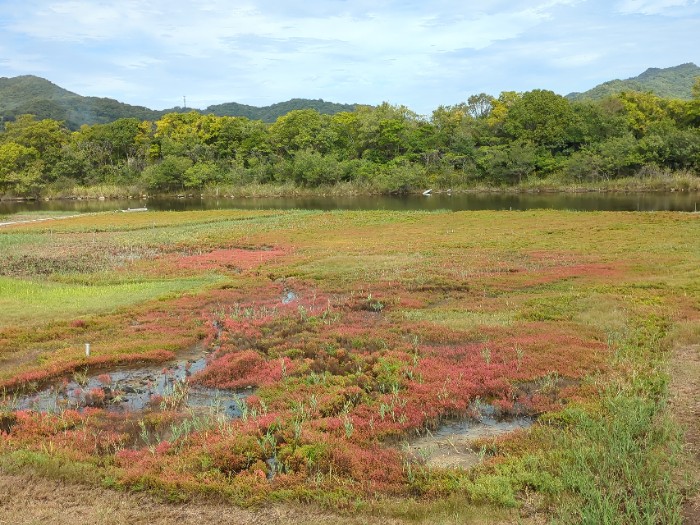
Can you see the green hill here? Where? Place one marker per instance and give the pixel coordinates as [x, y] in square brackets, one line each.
[671, 82]
[272, 112]
[37, 96]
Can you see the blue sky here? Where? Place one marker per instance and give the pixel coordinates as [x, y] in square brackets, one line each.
[417, 53]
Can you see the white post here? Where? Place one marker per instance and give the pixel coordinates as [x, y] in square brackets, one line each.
[87, 349]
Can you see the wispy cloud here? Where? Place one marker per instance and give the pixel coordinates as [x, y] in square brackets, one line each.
[262, 51]
[655, 7]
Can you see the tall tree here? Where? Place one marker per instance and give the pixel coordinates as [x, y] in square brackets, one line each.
[541, 117]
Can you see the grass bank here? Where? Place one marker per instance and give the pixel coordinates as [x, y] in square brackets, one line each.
[646, 182]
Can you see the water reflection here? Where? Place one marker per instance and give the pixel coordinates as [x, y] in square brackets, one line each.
[671, 201]
[124, 389]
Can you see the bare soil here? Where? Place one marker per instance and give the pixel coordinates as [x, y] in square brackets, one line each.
[685, 402]
[28, 500]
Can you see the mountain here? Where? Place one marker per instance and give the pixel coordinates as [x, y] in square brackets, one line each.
[670, 82]
[37, 96]
[271, 113]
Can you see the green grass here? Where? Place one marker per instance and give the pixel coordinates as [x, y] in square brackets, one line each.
[618, 458]
[618, 466]
[32, 302]
[460, 319]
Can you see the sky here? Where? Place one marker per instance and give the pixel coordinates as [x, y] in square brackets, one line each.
[421, 54]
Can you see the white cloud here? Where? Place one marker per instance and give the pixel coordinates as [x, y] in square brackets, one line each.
[22, 63]
[198, 29]
[99, 85]
[653, 7]
[76, 21]
[135, 61]
[405, 51]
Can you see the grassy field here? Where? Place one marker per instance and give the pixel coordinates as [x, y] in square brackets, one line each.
[353, 332]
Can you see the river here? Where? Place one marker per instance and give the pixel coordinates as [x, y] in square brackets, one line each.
[662, 201]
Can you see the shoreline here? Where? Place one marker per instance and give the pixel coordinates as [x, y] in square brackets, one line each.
[265, 192]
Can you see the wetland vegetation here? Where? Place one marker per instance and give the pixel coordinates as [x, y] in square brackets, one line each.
[341, 341]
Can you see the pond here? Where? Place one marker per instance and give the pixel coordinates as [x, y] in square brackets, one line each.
[662, 201]
[452, 444]
[134, 389]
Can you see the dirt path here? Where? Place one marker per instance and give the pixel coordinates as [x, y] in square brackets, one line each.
[61, 217]
[685, 403]
[43, 219]
[26, 500]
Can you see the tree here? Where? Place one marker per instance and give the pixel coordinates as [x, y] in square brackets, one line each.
[117, 149]
[311, 168]
[452, 141]
[167, 175]
[480, 106]
[302, 129]
[541, 117]
[642, 110]
[47, 137]
[500, 108]
[509, 163]
[595, 122]
[35, 146]
[585, 165]
[19, 166]
[387, 132]
[620, 156]
[200, 174]
[346, 130]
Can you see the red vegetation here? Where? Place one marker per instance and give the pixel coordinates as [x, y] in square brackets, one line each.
[232, 258]
[340, 374]
[94, 362]
[226, 260]
[243, 369]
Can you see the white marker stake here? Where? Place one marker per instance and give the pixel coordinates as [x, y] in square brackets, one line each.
[87, 349]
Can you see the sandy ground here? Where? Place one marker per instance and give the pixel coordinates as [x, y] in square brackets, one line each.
[685, 401]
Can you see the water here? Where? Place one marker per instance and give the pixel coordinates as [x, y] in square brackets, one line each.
[452, 444]
[289, 296]
[667, 201]
[124, 389]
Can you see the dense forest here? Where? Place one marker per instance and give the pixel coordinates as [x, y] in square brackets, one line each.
[496, 141]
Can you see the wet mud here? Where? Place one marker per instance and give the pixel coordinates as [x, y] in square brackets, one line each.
[454, 444]
[135, 389]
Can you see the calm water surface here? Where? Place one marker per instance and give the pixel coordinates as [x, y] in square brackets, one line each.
[676, 201]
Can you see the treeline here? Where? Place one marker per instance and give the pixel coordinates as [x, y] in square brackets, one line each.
[499, 141]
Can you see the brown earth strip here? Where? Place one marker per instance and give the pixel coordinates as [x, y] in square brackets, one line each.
[26, 500]
[685, 404]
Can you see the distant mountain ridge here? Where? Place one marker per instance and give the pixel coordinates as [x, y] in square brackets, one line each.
[670, 82]
[274, 111]
[40, 97]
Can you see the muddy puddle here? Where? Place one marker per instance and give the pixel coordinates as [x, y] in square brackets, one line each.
[452, 445]
[135, 389]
